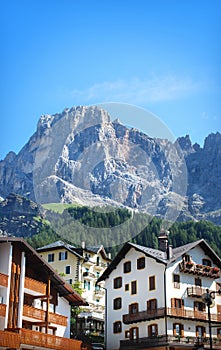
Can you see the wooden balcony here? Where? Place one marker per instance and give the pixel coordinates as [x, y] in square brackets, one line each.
[35, 285]
[163, 340]
[196, 292]
[198, 269]
[9, 340]
[2, 310]
[3, 280]
[180, 313]
[39, 314]
[27, 337]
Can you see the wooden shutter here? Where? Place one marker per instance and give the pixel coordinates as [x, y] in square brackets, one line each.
[172, 302]
[174, 329]
[182, 330]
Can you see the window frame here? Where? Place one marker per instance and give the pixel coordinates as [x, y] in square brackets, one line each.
[133, 289]
[152, 287]
[51, 255]
[127, 266]
[65, 253]
[117, 303]
[116, 281]
[117, 327]
[141, 262]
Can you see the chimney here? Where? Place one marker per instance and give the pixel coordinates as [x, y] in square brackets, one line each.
[109, 256]
[163, 240]
[83, 245]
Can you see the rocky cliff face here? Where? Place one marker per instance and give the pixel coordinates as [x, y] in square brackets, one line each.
[82, 156]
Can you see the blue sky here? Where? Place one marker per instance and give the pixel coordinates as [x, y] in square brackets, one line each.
[162, 55]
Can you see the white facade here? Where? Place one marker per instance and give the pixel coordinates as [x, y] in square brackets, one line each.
[173, 308]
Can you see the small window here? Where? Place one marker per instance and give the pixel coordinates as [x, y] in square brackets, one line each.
[117, 303]
[69, 281]
[89, 285]
[133, 308]
[176, 281]
[198, 282]
[67, 270]
[127, 334]
[50, 257]
[152, 283]
[127, 266]
[117, 327]
[117, 282]
[187, 258]
[63, 255]
[200, 331]
[98, 260]
[151, 304]
[134, 287]
[199, 306]
[152, 330]
[98, 274]
[178, 329]
[127, 287]
[177, 303]
[141, 263]
[206, 262]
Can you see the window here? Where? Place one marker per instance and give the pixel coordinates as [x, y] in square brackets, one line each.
[187, 258]
[127, 287]
[177, 303]
[50, 257]
[219, 333]
[67, 270]
[63, 255]
[199, 306]
[198, 282]
[206, 262]
[98, 260]
[133, 308]
[134, 287]
[117, 282]
[152, 284]
[117, 327]
[152, 330]
[200, 331]
[151, 304]
[69, 281]
[127, 266]
[98, 274]
[176, 281]
[117, 303]
[134, 333]
[87, 285]
[127, 334]
[141, 263]
[178, 329]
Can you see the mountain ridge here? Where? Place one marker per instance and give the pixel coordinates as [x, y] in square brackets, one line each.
[81, 155]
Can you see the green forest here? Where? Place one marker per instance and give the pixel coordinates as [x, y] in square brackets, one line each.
[71, 225]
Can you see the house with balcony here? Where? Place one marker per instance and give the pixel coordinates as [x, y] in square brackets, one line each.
[85, 265]
[35, 302]
[156, 298]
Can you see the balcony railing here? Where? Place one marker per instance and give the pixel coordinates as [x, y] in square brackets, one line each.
[35, 285]
[99, 293]
[198, 269]
[2, 310]
[39, 314]
[37, 339]
[3, 280]
[196, 291]
[170, 312]
[88, 275]
[144, 315]
[163, 340]
[9, 340]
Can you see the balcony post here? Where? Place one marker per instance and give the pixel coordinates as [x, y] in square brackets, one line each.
[48, 303]
[21, 290]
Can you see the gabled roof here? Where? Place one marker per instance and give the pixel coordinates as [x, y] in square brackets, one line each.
[44, 270]
[98, 249]
[159, 255]
[59, 245]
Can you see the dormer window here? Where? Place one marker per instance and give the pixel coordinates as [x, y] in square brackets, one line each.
[187, 258]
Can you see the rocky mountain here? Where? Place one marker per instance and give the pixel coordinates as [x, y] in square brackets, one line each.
[81, 156]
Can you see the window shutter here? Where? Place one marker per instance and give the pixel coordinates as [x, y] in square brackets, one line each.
[219, 309]
[174, 329]
[197, 331]
[172, 302]
[182, 330]
[182, 302]
[149, 331]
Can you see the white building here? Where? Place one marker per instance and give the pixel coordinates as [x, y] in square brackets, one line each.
[85, 265]
[154, 297]
[35, 302]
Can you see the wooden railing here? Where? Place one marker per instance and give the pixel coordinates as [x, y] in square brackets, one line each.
[2, 310]
[9, 340]
[196, 291]
[32, 338]
[163, 340]
[39, 314]
[171, 312]
[3, 280]
[35, 285]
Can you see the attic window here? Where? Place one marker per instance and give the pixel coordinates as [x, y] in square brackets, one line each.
[63, 255]
[206, 262]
